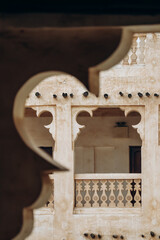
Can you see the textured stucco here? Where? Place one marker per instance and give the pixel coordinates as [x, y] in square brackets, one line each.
[64, 223]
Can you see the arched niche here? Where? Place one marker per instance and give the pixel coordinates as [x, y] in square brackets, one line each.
[103, 142]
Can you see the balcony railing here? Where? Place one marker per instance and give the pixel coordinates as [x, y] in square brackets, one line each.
[108, 190]
[136, 55]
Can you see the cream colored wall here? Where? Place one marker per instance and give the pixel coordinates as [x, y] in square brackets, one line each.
[70, 223]
[100, 147]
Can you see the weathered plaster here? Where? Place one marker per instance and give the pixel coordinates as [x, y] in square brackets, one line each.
[69, 223]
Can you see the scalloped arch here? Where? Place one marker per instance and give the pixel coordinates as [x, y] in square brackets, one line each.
[140, 125]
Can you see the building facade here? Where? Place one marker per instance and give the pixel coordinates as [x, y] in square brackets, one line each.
[109, 143]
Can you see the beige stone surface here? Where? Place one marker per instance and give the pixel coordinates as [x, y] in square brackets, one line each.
[68, 223]
[43, 225]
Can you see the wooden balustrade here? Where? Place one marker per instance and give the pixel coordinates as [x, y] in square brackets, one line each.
[108, 190]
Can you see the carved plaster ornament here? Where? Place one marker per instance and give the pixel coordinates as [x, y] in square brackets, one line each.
[76, 126]
[140, 125]
[41, 109]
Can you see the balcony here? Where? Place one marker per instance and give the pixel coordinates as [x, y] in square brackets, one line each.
[108, 191]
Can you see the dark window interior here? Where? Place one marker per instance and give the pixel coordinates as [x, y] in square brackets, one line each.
[135, 159]
[47, 150]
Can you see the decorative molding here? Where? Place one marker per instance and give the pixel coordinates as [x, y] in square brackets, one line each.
[76, 126]
[52, 126]
[140, 125]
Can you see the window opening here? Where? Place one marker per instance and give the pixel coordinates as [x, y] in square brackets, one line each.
[103, 146]
[103, 162]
